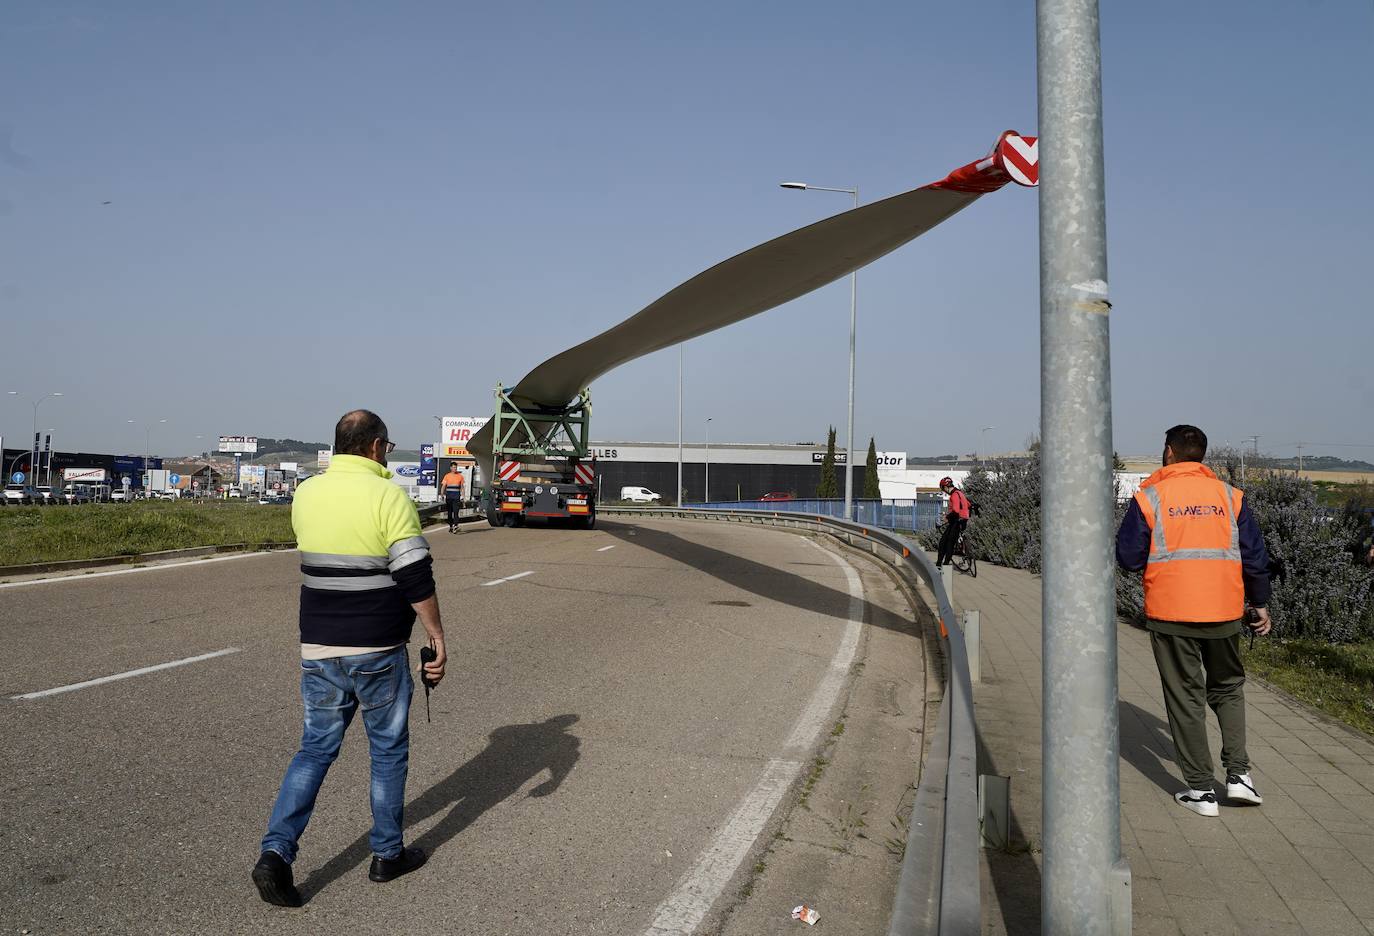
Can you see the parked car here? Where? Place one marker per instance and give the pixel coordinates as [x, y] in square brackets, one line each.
[234, 492]
[777, 496]
[639, 495]
[76, 495]
[44, 494]
[118, 495]
[16, 494]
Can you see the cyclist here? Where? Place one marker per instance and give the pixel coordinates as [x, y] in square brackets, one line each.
[451, 490]
[956, 518]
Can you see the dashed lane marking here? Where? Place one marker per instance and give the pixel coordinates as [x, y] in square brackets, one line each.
[131, 673]
[508, 578]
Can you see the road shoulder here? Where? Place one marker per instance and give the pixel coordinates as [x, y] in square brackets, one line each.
[838, 846]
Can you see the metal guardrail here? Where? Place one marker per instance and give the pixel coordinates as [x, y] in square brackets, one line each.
[938, 889]
[889, 513]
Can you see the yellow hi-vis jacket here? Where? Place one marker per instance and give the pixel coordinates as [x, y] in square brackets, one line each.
[363, 558]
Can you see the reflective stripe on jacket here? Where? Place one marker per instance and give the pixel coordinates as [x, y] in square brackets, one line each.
[1193, 573]
[363, 559]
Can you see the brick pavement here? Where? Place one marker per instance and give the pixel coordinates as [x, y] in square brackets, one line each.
[1303, 863]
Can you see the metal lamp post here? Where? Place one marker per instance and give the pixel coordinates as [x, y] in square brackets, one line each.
[706, 493]
[147, 444]
[677, 498]
[33, 468]
[1086, 884]
[853, 321]
[982, 452]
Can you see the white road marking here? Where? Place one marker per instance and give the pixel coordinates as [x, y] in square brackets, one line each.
[137, 672]
[83, 576]
[683, 910]
[508, 578]
[604, 548]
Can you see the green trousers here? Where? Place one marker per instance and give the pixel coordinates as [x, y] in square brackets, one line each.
[1197, 673]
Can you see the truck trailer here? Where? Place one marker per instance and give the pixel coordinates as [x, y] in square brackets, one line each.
[540, 465]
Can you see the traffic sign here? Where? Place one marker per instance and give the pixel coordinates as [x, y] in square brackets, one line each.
[1020, 157]
[17, 477]
[174, 479]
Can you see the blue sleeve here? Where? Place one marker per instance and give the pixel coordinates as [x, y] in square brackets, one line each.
[1254, 558]
[1133, 539]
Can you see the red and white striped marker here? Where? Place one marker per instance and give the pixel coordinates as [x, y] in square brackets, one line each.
[1019, 157]
[509, 471]
[584, 474]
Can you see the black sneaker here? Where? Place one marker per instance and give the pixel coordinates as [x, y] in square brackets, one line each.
[389, 869]
[272, 875]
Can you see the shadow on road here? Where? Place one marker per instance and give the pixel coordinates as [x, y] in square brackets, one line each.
[766, 581]
[1014, 872]
[514, 755]
[1147, 745]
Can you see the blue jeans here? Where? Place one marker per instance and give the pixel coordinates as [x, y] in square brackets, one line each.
[332, 691]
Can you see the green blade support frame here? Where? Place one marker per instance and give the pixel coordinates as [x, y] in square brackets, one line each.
[541, 431]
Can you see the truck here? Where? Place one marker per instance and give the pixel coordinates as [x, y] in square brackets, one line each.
[541, 465]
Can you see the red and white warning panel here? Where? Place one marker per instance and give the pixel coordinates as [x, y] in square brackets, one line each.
[1019, 157]
[508, 471]
[584, 474]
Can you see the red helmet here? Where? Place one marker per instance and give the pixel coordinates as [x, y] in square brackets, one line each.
[944, 481]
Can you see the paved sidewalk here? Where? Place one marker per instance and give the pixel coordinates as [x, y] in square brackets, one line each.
[1303, 863]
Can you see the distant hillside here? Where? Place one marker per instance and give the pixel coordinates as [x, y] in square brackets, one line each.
[288, 446]
[1321, 463]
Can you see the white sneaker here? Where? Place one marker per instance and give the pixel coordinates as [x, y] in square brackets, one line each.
[1202, 802]
[1241, 789]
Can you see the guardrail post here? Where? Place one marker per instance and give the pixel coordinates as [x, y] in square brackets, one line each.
[971, 628]
[1081, 891]
[994, 809]
[947, 579]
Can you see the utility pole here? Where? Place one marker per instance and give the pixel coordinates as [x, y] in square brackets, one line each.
[1299, 459]
[1085, 888]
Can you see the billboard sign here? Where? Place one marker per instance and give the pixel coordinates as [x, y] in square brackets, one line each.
[428, 465]
[239, 445]
[323, 456]
[456, 431]
[83, 474]
[292, 467]
[841, 458]
[253, 475]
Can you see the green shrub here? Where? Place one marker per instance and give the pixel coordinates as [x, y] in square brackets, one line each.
[1324, 594]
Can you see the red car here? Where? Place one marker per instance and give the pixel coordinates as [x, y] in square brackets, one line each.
[777, 496]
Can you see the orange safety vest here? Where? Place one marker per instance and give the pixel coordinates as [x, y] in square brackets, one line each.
[1193, 574]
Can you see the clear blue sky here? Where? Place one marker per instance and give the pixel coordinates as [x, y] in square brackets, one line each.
[317, 206]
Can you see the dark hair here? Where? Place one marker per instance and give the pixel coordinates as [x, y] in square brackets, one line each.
[356, 432]
[1188, 442]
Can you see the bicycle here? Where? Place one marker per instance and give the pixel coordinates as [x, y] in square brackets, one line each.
[963, 558]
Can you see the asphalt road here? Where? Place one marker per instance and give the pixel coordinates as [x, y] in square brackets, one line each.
[603, 720]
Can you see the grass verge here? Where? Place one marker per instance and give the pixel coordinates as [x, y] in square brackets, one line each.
[94, 531]
[1338, 679]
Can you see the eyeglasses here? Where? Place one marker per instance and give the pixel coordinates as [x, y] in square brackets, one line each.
[390, 446]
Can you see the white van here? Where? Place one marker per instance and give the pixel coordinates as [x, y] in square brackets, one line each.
[639, 495]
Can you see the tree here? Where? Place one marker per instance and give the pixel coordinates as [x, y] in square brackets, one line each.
[872, 490]
[1117, 463]
[828, 489]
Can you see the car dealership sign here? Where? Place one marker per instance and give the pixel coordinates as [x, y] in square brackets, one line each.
[455, 433]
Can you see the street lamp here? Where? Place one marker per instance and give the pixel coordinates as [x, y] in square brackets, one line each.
[33, 468]
[706, 493]
[677, 498]
[853, 321]
[982, 453]
[147, 444]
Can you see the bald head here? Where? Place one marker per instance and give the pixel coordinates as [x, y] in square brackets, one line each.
[357, 431]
